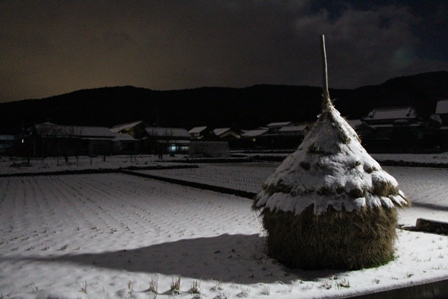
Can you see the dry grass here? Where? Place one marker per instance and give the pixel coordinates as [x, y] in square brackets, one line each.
[154, 284]
[195, 287]
[336, 239]
[175, 286]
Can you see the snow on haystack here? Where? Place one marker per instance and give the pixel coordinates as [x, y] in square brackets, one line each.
[330, 168]
[329, 204]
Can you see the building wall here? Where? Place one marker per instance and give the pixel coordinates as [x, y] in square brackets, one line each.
[209, 149]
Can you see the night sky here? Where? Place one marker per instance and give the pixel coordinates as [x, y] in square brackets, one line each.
[54, 47]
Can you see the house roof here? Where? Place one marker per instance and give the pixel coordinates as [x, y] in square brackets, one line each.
[172, 132]
[118, 128]
[279, 124]
[391, 113]
[220, 131]
[254, 133]
[54, 130]
[7, 137]
[197, 130]
[354, 122]
[292, 128]
[442, 107]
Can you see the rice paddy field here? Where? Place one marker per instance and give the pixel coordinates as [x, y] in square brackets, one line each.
[115, 235]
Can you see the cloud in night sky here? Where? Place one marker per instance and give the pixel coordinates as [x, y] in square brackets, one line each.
[54, 47]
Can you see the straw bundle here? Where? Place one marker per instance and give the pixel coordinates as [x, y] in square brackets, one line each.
[335, 240]
[330, 204]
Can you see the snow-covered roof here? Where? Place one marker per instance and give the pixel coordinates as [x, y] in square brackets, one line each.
[7, 137]
[118, 128]
[442, 107]
[173, 132]
[436, 118]
[330, 168]
[220, 131]
[391, 113]
[279, 124]
[54, 130]
[354, 122]
[293, 128]
[254, 133]
[197, 130]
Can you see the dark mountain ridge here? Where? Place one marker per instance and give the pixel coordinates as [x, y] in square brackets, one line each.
[242, 108]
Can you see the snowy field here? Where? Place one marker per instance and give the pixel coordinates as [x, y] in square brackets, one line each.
[119, 236]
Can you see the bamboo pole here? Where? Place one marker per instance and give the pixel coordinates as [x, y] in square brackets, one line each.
[326, 93]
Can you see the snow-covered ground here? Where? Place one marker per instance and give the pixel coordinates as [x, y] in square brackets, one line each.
[117, 236]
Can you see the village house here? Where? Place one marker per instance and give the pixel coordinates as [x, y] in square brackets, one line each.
[383, 129]
[6, 144]
[133, 138]
[151, 140]
[254, 138]
[167, 140]
[200, 133]
[209, 149]
[442, 115]
[125, 144]
[208, 143]
[49, 139]
[129, 137]
[390, 115]
[396, 128]
[276, 126]
[442, 111]
[227, 134]
[354, 123]
[135, 129]
[292, 135]
[275, 135]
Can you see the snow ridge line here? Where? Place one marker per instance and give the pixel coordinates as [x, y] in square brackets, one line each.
[240, 193]
[131, 171]
[386, 162]
[412, 164]
[95, 171]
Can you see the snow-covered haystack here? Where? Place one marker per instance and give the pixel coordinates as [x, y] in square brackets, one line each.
[330, 204]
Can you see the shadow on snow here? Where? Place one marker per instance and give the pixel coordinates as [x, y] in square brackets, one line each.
[227, 258]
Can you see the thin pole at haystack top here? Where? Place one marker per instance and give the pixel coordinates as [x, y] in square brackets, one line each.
[330, 205]
[326, 94]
